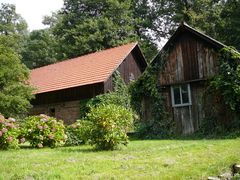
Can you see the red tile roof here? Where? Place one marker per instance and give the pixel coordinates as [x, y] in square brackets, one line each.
[88, 69]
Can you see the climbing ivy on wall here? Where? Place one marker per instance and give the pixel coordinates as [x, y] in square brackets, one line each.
[227, 82]
[223, 93]
[119, 96]
[146, 91]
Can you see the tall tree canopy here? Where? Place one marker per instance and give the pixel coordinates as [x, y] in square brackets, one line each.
[40, 49]
[84, 26]
[15, 93]
[10, 22]
[229, 30]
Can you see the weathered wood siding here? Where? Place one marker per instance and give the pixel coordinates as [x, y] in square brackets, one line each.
[129, 67]
[189, 59]
[187, 118]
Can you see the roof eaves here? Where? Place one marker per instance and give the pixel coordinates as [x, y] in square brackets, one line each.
[134, 45]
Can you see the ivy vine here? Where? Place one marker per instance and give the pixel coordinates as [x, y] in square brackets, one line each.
[147, 87]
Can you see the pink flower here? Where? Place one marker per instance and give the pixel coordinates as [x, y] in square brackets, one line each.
[39, 127]
[1, 133]
[10, 125]
[53, 129]
[40, 145]
[43, 120]
[45, 126]
[51, 136]
[12, 119]
[22, 140]
[9, 138]
[4, 130]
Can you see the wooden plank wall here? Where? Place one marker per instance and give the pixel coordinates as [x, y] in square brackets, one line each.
[70, 94]
[126, 68]
[187, 118]
[189, 59]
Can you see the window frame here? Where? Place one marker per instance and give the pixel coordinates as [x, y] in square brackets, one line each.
[181, 99]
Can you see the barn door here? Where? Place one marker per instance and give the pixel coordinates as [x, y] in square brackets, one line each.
[182, 108]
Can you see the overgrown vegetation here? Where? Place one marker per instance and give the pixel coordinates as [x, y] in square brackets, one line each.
[77, 133]
[8, 133]
[43, 131]
[223, 96]
[110, 124]
[15, 92]
[146, 96]
[119, 96]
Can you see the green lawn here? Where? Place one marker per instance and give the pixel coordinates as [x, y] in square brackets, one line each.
[149, 159]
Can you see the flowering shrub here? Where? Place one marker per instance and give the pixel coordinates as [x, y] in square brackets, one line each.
[43, 131]
[109, 127]
[77, 133]
[8, 133]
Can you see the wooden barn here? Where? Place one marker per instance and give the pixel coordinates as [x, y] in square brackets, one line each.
[60, 87]
[191, 58]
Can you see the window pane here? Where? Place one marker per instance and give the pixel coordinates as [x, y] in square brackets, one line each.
[177, 98]
[185, 98]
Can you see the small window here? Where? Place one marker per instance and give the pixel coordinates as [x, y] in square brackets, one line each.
[181, 95]
[52, 112]
[131, 77]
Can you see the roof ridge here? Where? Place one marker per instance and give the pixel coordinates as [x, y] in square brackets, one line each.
[87, 54]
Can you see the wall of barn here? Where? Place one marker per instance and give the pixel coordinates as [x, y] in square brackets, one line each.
[189, 59]
[129, 70]
[187, 118]
[67, 111]
[66, 103]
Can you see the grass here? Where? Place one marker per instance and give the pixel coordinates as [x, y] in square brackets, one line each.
[149, 159]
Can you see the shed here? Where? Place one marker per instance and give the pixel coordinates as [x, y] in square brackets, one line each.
[191, 60]
[60, 87]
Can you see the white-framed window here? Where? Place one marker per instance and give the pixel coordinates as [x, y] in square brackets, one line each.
[181, 95]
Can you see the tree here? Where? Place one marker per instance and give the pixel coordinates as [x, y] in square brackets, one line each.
[84, 26]
[230, 24]
[40, 49]
[11, 23]
[200, 14]
[15, 93]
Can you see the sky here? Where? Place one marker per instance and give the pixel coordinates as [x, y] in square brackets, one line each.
[34, 10]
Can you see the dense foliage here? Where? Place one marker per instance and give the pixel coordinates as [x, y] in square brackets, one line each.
[119, 96]
[40, 48]
[84, 26]
[77, 133]
[43, 131]
[228, 80]
[8, 133]
[15, 93]
[146, 92]
[110, 124]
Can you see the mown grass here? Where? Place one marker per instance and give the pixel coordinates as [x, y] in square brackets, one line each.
[149, 159]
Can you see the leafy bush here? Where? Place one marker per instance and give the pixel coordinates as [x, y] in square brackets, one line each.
[43, 131]
[77, 133]
[110, 124]
[8, 133]
[119, 96]
[227, 82]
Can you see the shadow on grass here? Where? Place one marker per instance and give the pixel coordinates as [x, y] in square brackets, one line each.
[196, 136]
